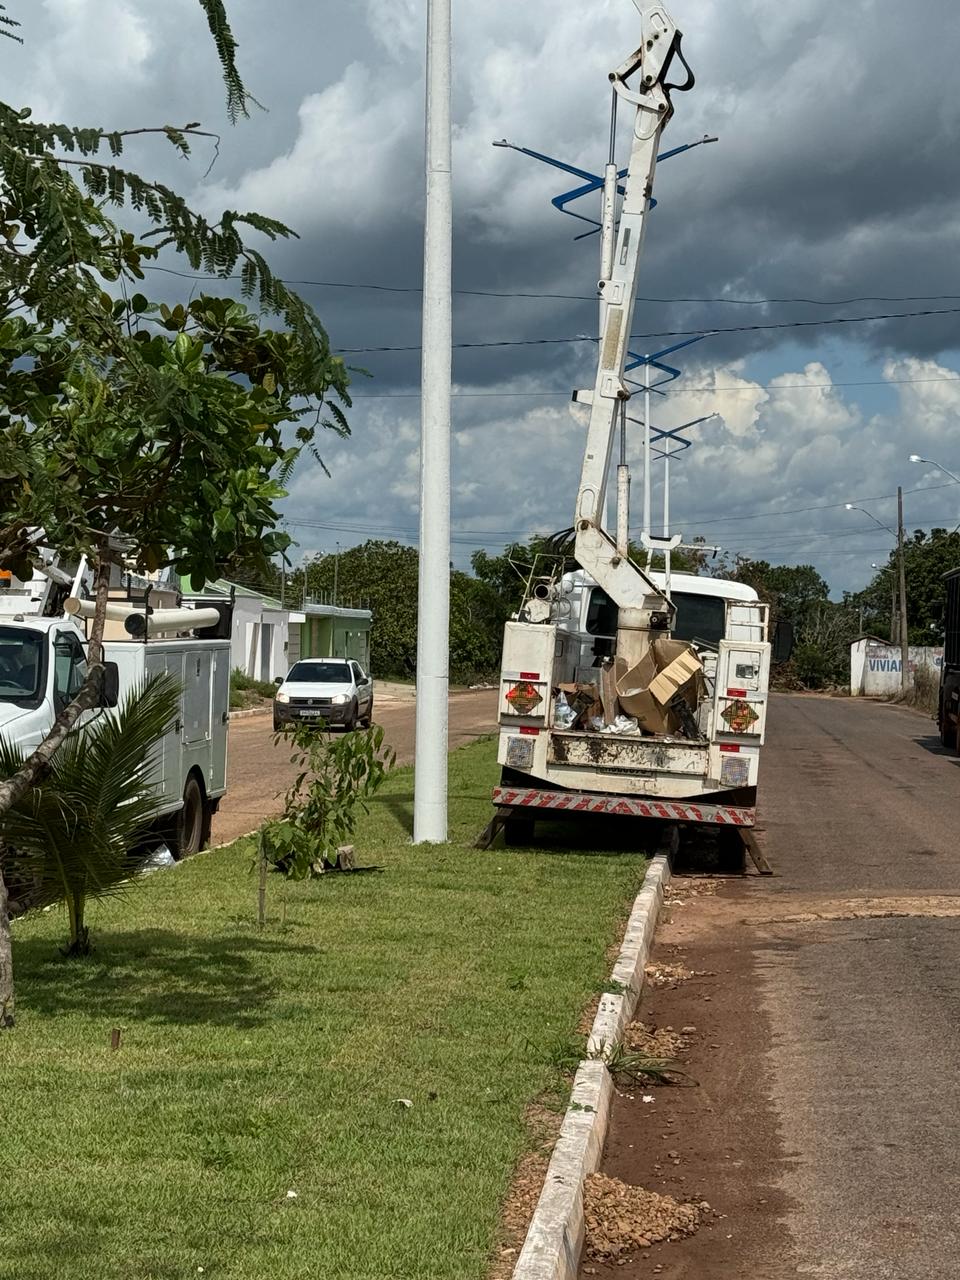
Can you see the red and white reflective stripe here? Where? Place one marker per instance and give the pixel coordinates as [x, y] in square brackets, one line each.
[624, 806]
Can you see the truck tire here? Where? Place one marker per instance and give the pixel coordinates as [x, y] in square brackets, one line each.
[367, 720]
[191, 820]
[351, 721]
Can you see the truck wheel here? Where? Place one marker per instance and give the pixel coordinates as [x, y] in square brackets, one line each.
[948, 731]
[190, 820]
[367, 720]
[351, 721]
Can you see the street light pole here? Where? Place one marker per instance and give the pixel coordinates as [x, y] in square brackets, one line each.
[433, 617]
[904, 635]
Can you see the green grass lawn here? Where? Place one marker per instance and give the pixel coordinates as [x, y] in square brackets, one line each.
[255, 1064]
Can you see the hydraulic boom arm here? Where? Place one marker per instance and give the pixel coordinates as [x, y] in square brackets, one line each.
[642, 605]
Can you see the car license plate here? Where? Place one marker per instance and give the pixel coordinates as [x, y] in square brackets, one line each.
[310, 715]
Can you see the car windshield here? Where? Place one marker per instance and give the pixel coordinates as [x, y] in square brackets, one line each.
[20, 654]
[319, 673]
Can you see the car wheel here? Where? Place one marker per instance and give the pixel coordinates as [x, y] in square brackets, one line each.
[190, 820]
[351, 721]
[367, 720]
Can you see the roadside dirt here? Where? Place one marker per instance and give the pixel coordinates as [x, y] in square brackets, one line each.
[258, 772]
[713, 1144]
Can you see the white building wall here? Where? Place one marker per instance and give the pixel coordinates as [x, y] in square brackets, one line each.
[875, 667]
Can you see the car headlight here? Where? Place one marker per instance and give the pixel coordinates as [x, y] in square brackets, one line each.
[339, 699]
[283, 697]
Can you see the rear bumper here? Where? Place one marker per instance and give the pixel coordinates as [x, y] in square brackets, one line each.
[536, 800]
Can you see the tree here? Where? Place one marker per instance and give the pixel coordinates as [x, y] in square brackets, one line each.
[792, 589]
[129, 429]
[384, 576]
[79, 833]
[927, 557]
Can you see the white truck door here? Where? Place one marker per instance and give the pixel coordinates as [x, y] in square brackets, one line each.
[197, 697]
[217, 782]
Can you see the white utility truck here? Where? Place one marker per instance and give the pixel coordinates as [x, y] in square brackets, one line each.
[43, 664]
[624, 691]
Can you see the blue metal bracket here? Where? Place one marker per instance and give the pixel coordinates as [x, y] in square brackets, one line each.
[592, 181]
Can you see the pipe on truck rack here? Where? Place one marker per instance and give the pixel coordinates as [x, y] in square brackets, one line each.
[138, 624]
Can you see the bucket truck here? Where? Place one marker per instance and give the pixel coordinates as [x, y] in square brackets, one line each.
[43, 665]
[624, 691]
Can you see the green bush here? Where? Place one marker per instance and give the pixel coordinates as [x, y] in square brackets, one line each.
[813, 667]
[240, 682]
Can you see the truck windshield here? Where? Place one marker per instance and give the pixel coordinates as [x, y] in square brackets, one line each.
[21, 652]
[698, 617]
[320, 673]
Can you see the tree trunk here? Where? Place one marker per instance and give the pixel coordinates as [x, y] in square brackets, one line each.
[79, 933]
[36, 765]
[6, 959]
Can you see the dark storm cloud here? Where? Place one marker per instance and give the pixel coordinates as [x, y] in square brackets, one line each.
[836, 176]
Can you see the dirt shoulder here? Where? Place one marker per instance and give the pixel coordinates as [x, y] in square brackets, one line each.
[258, 772]
[715, 1142]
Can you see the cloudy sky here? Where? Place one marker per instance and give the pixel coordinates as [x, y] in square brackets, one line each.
[832, 193]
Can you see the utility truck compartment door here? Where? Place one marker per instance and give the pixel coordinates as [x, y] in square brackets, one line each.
[526, 678]
[743, 676]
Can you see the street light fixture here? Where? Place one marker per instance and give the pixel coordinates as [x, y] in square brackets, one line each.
[851, 507]
[915, 457]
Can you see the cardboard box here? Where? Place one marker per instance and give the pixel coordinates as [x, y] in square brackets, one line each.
[608, 692]
[668, 668]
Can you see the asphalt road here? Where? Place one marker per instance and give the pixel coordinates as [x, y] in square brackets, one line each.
[826, 1008]
[258, 772]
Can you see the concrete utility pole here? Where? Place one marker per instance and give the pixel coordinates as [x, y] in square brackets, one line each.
[433, 623]
[904, 636]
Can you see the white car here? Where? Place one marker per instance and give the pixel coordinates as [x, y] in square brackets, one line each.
[331, 690]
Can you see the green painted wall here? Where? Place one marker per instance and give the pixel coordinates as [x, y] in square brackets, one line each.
[336, 638]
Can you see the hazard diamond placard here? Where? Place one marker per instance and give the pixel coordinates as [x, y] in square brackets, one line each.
[524, 697]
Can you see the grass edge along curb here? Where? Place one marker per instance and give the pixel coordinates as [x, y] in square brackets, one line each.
[554, 1240]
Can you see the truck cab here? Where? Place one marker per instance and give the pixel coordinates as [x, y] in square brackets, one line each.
[43, 663]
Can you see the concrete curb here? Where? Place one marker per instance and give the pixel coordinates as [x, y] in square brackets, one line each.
[554, 1240]
[616, 1010]
[250, 711]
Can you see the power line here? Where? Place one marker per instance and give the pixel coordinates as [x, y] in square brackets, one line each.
[753, 387]
[670, 333]
[582, 297]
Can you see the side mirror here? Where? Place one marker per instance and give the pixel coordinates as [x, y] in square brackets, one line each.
[782, 646]
[110, 685]
[278, 681]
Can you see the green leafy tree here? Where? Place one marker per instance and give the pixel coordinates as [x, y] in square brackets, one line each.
[80, 832]
[129, 429]
[927, 557]
[793, 589]
[384, 576]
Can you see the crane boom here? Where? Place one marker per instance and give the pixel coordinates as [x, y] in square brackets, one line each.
[642, 605]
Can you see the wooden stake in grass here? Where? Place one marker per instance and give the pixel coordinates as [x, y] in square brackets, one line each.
[262, 887]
